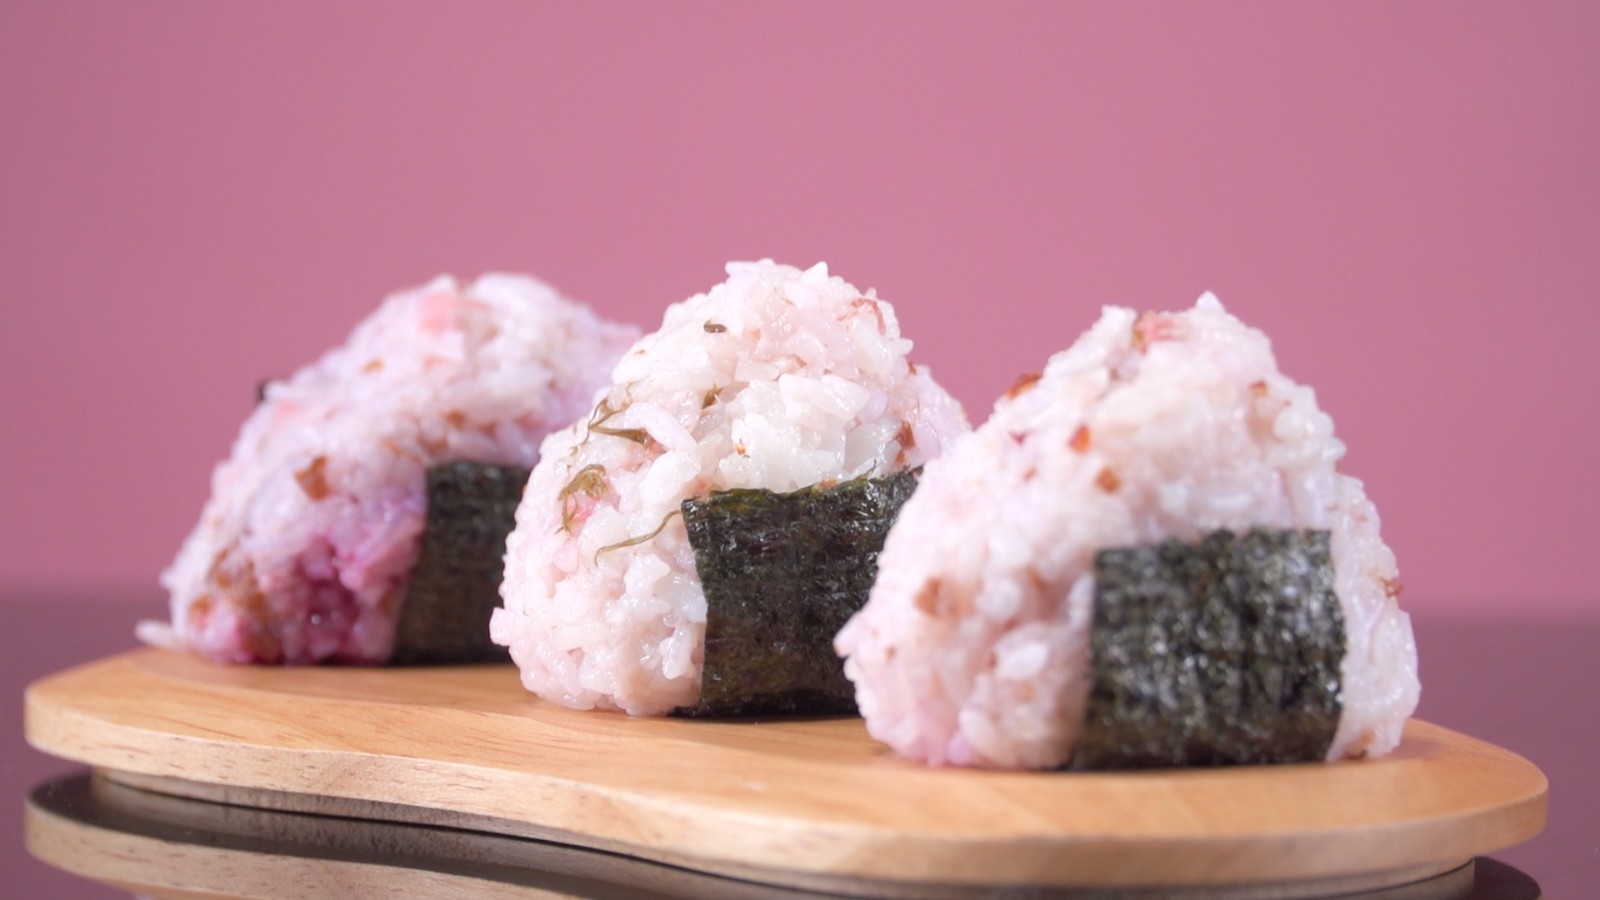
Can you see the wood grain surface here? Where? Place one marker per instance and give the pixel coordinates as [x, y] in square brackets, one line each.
[813, 803]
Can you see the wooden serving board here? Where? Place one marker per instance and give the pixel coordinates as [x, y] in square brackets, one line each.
[810, 803]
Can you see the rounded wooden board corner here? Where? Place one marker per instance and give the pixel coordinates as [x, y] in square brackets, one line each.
[805, 802]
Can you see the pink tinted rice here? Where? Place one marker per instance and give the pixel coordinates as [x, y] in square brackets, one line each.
[973, 649]
[303, 550]
[778, 379]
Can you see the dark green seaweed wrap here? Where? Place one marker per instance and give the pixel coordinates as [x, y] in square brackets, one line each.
[1224, 652]
[455, 585]
[782, 573]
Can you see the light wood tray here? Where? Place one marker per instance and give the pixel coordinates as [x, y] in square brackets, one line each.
[807, 803]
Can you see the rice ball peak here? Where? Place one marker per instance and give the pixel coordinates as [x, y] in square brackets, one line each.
[776, 379]
[973, 648]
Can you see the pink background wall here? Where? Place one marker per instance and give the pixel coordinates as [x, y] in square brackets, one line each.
[1406, 196]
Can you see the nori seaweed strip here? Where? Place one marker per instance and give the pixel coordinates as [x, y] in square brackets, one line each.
[1223, 652]
[782, 573]
[455, 585]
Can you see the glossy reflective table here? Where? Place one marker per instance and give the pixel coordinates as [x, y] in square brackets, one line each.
[1522, 686]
